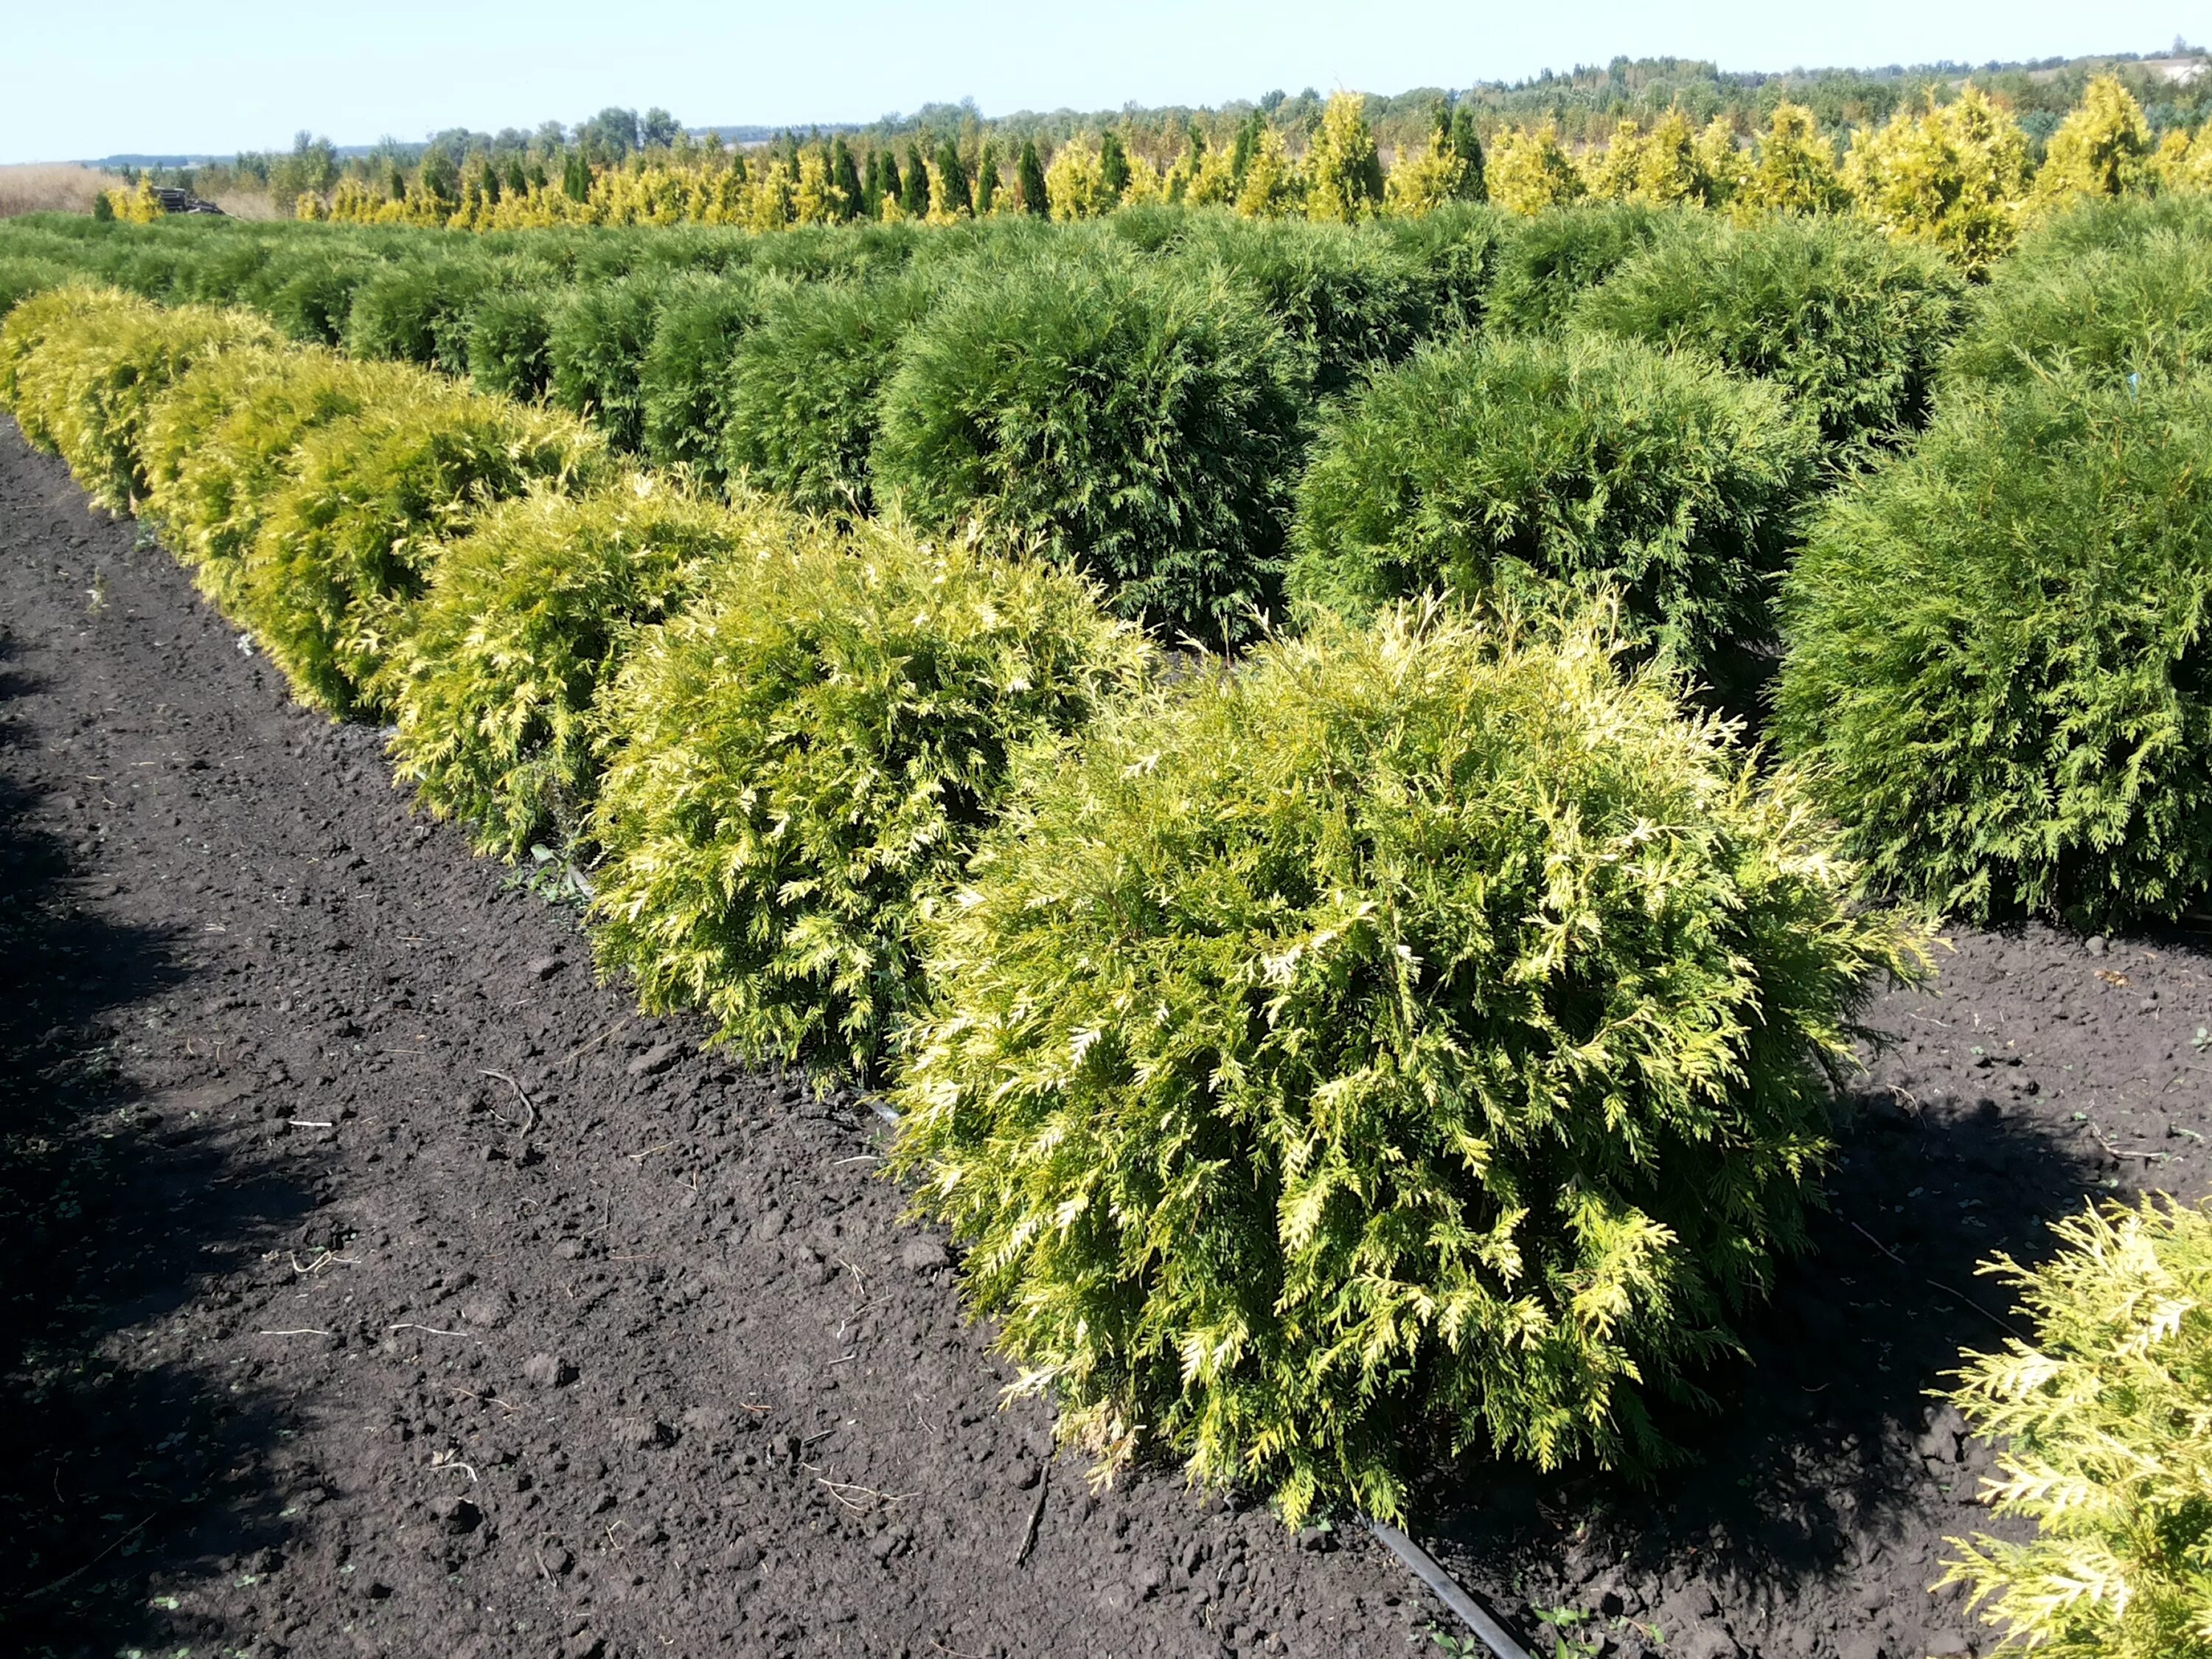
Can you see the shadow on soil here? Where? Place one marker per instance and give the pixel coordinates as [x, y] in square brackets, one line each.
[118, 1465]
[1801, 1478]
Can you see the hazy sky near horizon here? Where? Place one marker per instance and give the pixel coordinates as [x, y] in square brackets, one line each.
[130, 77]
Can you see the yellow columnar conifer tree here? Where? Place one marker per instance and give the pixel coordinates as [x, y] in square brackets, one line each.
[2102, 149]
[1955, 175]
[1530, 170]
[1796, 172]
[1344, 173]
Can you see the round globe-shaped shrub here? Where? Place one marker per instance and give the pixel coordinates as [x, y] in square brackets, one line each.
[802, 416]
[345, 546]
[26, 329]
[314, 301]
[1346, 299]
[1996, 668]
[1503, 470]
[219, 445]
[22, 275]
[417, 312]
[597, 348]
[99, 365]
[1137, 423]
[510, 336]
[1849, 322]
[2142, 306]
[1546, 262]
[1418, 1040]
[690, 373]
[798, 762]
[493, 682]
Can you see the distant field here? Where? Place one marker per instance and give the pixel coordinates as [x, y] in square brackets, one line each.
[51, 187]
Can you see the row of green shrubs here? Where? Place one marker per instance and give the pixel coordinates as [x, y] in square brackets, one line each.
[1415, 1038]
[1139, 397]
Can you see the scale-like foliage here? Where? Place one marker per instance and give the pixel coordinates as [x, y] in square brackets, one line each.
[1546, 263]
[510, 340]
[798, 763]
[344, 547]
[2136, 305]
[1852, 324]
[87, 385]
[1997, 668]
[1347, 300]
[1501, 470]
[20, 277]
[219, 445]
[689, 374]
[1137, 423]
[417, 312]
[2104, 1426]
[493, 683]
[600, 336]
[1416, 1039]
[804, 414]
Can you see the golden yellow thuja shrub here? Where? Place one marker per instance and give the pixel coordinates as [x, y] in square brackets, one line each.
[1796, 172]
[1529, 170]
[2103, 149]
[1274, 183]
[1075, 183]
[1955, 175]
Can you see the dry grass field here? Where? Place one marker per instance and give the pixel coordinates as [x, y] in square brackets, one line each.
[51, 187]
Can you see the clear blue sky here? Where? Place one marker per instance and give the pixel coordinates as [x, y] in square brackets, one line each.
[79, 79]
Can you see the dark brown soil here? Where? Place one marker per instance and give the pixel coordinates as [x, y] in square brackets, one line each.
[318, 1341]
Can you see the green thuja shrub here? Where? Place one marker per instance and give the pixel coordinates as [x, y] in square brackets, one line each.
[510, 338]
[87, 386]
[803, 416]
[1420, 1039]
[314, 302]
[1500, 472]
[2101, 1422]
[1997, 668]
[1457, 250]
[1138, 422]
[345, 546]
[220, 445]
[799, 762]
[1852, 324]
[20, 277]
[417, 312]
[597, 348]
[689, 374]
[1547, 261]
[492, 684]
[1346, 299]
[2141, 306]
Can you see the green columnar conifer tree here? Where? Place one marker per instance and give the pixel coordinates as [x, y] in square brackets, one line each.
[914, 186]
[1029, 179]
[847, 178]
[1113, 167]
[952, 180]
[986, 178]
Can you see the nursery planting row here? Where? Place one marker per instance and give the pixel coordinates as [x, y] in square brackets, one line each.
[1416, 1035]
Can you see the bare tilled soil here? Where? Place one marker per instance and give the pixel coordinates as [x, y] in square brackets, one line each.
[375, 1282]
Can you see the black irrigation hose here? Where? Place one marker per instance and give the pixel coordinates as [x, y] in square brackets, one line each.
[1423, 1565]
[1417, 1561]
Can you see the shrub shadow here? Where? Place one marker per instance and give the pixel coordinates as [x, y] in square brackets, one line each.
[1813, 1480]
[124, 1461]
